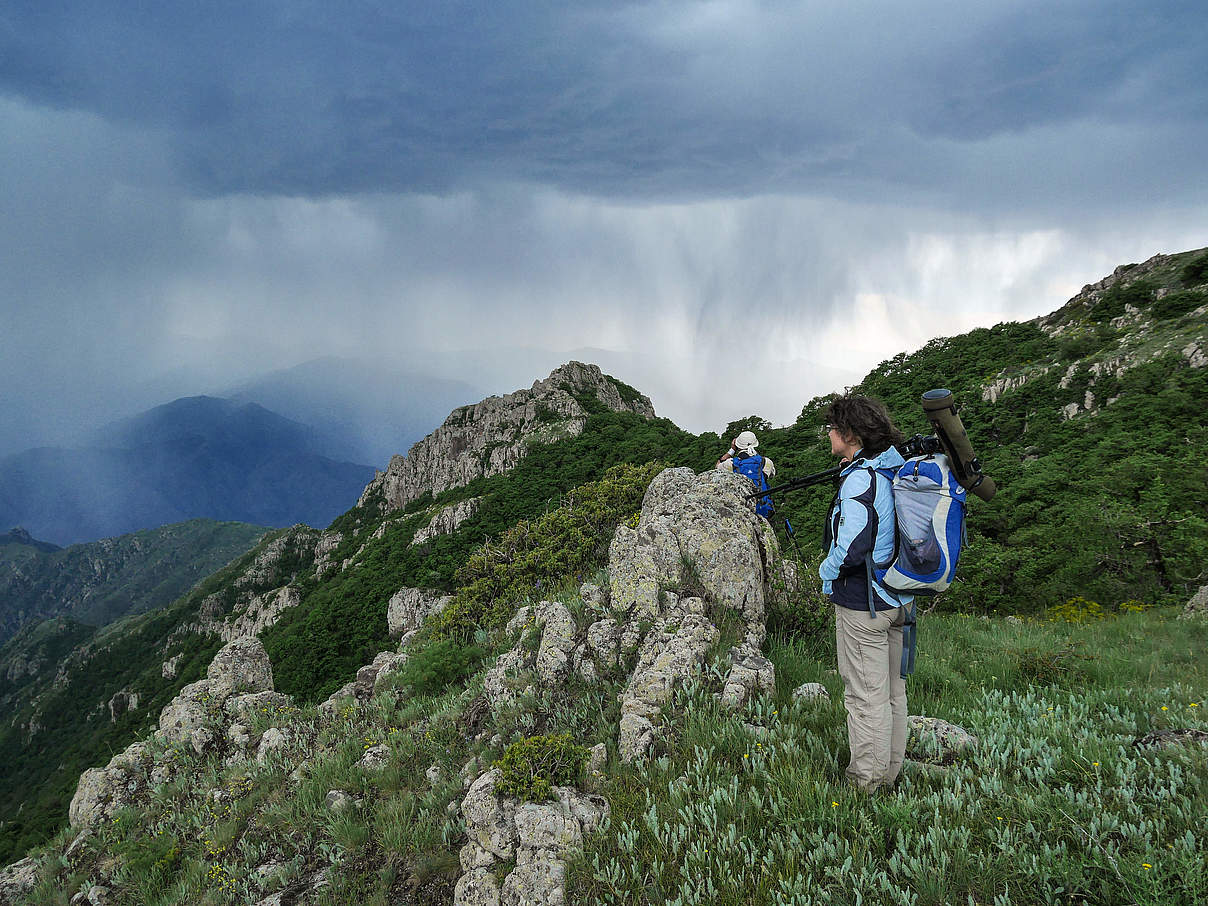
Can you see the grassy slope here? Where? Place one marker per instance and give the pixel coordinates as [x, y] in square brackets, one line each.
[1056, 804]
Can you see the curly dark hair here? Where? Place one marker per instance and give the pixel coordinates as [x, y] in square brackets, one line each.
[867, 419]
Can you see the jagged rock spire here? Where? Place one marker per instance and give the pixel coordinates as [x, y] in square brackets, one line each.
[490, 437]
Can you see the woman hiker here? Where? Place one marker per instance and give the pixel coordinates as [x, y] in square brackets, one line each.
[868, 618]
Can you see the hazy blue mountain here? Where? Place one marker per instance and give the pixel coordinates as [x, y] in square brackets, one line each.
[198, 457]
[19, 537]
[360, 410]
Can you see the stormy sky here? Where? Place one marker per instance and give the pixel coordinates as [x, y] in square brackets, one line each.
[732, 205]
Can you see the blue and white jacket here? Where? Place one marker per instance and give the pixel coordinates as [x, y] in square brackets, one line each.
[861, 522]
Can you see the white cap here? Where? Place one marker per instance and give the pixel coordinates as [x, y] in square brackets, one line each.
[746, 442]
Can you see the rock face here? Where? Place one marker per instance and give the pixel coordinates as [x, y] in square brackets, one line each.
[262, 612]
[696, 533]
[409, 607]
[448, 519]
[1197, 607]
[490, 437]
[537, 836]
[238, 685]
[698, 552]
[17, 880]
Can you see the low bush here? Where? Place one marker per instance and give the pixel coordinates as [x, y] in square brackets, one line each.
[532, 767]
[439, 665]
[1195, 271]
[1173, 305]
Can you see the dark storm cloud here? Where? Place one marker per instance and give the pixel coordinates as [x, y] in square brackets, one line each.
[667, 100]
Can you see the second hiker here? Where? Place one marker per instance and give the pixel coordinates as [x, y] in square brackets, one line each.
[742, 458]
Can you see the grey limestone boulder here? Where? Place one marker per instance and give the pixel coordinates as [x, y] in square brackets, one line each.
[195, 707]
[538, 837]
[17, 880]
[240, 666]
[272, 741]
[490, 819]
[409, 607]
[1197, 607]
[932, 733]
[375, 758]
[811, 692]
[557, 641]
[103, 792]
[750, 674]
[697, 533]
[672, 651]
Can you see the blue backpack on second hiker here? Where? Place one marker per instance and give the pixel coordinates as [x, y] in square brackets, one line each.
[752, 468]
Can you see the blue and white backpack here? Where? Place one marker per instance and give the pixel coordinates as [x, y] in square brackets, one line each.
[929, 508]
[752, 468]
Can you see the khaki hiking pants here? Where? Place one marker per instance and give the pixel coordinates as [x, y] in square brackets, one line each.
[870, 663]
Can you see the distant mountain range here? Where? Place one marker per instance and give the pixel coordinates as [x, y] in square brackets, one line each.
[198, 457]
[99, 582]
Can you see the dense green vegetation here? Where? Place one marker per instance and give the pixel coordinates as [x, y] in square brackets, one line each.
[531, 767]
[74, 730]
[1110, 504]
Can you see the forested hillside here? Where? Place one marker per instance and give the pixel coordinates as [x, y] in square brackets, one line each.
[98, 582]
[1091, 421]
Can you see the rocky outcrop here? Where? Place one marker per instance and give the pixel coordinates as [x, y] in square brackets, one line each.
[1196, 354]
[17, 880]
[279, 561]
[238, 686]
[324, 548]
[1197, 607]
[938, 740]
[120, 703]
[698, 554]
[532, 839]
[409, 607]
[490, 437]
[696, 533]
[261, 613]
[448, 519]
[673, 649]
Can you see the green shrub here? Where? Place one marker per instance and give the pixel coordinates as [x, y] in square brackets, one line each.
[1114, 300]
[532, 767]
[1195, 271]
[1078, 347]
[1047, 666]
[439, 665]
[801, 612]
[1172, 305]
[563, 544]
